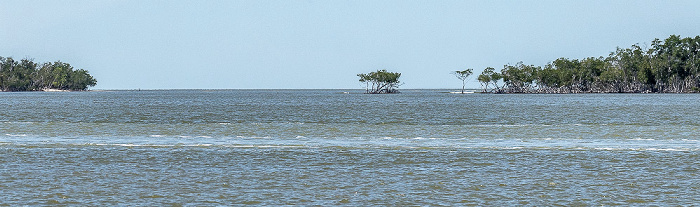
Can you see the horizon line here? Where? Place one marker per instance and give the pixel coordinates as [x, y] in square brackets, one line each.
[161, 89]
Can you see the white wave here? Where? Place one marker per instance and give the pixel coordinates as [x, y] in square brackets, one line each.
[18, 122]
[251, 137]
[271, 146]
[506, 125]
[641, 139]
[644, 149]
[495, 147]
[666, 149]
[16, 135]
[373, 145]
[144, 145]
[528, 125]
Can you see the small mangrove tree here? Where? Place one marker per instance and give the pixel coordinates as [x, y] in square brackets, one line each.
[463, 75]
[380, 81]
[489, 76]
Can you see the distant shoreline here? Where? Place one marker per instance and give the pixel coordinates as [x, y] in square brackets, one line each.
[51, 90]
[346, 91]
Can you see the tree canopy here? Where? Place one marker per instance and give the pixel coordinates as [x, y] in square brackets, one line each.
[489, 77]
[463, 75]
[381, 81]
[667, 66]
[26, 75]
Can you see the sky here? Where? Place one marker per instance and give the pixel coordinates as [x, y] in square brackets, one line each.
[323, 44]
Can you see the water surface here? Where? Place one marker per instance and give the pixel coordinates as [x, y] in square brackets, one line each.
[322, 147]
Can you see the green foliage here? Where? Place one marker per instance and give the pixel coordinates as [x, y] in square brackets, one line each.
[489, 77]
[26, 75]
[668, 66]
[519, 77]
[463, 75]
[382, 81]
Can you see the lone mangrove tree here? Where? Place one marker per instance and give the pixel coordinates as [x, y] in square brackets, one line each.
[380, 81]
[463, 75]
[26, 75]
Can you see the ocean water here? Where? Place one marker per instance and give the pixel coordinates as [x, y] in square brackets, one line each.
[342, 147]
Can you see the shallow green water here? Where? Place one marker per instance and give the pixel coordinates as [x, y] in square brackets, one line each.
[323, 147]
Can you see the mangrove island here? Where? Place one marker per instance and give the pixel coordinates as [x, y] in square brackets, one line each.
[26, 75]
[667, 66]
[382, 81]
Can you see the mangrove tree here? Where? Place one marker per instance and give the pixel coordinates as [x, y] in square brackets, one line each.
[380, 81]
[463, 75]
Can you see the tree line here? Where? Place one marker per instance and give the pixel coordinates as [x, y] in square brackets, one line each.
[667, 66]
[26, 75]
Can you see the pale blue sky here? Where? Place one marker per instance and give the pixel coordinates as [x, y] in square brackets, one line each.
[229, 44]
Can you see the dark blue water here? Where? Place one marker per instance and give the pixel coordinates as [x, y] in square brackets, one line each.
[323, 147]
